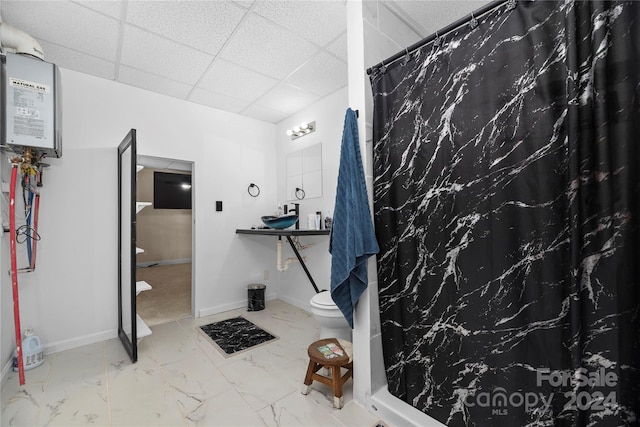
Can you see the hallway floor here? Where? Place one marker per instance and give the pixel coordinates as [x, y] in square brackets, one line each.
[170, 296]
[180, 379]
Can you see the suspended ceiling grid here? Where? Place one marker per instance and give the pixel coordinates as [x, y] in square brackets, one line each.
[261, 59]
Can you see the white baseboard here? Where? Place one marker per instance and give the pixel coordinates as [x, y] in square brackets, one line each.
[5, 370]
[165, 262]
[204, 312]
[303, 305]
[69, 344]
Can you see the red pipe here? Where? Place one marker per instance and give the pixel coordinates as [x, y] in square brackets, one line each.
[34, 240]
[14, 270]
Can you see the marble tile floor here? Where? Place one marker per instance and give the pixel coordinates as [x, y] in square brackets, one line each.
[180, 379]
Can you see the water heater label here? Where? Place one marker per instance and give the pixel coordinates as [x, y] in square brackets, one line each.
[28, 100]
[24, 84]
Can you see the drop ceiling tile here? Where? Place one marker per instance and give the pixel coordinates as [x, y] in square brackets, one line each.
[229, 79]
[111, 8]
[262, 46]
[152, 82]
[151, 162]
[379, 46]
[274, 40]
[204, 25]
[390, 24]
[322, 75]
[287, 99]
[339, 47]
[429, 17]
[216, 100]
[65, 24]
[370, 12]
[264, 114]
[317, 21]
[181, 166]
[156, 55]
[244, 3]
[78, 61]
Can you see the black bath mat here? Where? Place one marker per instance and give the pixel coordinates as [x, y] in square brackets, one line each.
[235, 335]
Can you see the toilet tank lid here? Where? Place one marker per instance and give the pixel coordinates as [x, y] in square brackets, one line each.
[323, 298]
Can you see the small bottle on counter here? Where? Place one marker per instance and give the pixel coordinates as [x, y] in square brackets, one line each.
[311, 222]
[328, 221]
[318, 220]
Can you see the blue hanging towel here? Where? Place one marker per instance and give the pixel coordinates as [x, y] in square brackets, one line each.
[352, 238]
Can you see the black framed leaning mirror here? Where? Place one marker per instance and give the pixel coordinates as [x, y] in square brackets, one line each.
[127, 330]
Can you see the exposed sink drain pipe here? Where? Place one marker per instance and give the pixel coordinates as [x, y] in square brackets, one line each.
[280, 265]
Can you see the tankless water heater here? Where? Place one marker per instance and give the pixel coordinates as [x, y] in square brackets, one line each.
[31, 114]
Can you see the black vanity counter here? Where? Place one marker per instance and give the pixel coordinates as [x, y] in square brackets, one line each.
[285, 232]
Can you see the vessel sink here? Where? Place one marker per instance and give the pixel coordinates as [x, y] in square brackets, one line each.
[279, 222]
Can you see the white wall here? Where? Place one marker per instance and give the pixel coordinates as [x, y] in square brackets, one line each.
[328, 113]
[71, 299]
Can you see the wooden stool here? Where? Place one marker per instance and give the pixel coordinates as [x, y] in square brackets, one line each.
[317, 360]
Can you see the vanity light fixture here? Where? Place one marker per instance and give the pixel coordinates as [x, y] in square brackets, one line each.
[303, 129]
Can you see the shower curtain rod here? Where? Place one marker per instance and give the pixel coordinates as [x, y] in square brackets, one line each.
[455, 25]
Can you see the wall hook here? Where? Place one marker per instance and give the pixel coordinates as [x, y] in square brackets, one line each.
[253, 190]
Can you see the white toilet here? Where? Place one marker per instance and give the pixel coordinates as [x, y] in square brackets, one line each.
[326, 312]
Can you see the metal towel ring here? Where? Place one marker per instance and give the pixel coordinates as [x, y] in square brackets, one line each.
[300, 190]
[252, 185]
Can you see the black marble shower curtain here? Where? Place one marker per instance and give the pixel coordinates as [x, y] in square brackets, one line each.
[507, 206]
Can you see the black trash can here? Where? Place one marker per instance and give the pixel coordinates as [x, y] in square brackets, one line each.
[256, 296]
